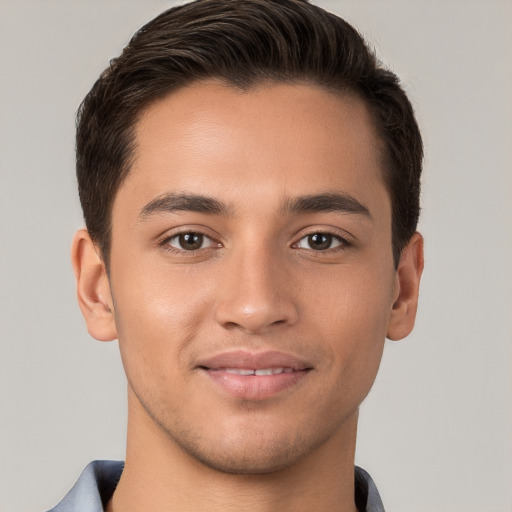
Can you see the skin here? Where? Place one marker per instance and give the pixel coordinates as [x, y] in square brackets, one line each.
[256, 283]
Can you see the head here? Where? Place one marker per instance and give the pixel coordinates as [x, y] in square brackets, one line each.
[251, 176]
[243, 43]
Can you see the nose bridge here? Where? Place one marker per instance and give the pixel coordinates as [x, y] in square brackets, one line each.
[255, 293]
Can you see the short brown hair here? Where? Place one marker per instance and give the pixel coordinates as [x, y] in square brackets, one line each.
[242, 42]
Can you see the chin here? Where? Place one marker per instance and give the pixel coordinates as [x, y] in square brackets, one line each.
[250, 451]
[251, 460]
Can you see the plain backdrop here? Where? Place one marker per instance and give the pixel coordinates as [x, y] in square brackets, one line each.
[436, 430]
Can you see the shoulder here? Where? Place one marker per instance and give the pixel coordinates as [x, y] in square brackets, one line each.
[366, 493]
[93, 489]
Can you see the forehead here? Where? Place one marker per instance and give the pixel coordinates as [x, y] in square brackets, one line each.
[213, 138]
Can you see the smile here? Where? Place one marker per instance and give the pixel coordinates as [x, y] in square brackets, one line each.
[262, 371]
[254, 376]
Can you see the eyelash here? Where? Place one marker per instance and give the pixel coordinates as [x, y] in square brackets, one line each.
[165, 243]
[343, 242]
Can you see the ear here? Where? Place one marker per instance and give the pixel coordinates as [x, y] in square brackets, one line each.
[407, 284]
[93, 288]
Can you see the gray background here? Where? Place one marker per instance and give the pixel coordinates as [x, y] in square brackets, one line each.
[435, 432]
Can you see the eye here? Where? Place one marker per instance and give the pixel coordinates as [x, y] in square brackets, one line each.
[320, 242]
[189, 241]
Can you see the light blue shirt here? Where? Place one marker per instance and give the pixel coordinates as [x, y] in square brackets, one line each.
[100, 478]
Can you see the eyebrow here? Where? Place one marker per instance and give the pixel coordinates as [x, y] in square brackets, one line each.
[169, 203]
[329, 202]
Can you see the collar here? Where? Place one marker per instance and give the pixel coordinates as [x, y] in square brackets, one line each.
[99, 479]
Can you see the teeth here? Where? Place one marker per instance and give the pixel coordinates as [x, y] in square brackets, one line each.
[238, 371]
[262, 371]
[269, 371]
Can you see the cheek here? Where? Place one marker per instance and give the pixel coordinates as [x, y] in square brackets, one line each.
[360, 298]
[353, 311]
[158, 299]
[156, 317]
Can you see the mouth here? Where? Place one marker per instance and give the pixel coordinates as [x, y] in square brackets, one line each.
[254, 376]
[259, 371]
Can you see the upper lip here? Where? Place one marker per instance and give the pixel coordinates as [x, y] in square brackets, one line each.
[253, 360]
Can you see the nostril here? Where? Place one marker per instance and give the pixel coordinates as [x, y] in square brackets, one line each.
[231, 325]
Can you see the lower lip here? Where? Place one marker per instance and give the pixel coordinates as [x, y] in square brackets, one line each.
[255, 387]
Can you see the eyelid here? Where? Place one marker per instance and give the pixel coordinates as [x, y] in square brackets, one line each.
[164, 239]
[176, 237]
[338, 242]
[346, 239]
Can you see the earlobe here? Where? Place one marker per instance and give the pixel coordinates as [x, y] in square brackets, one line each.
[408, 276]
[93, 288]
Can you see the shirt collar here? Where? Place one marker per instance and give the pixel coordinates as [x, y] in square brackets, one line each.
[100, 478]
[93, 489]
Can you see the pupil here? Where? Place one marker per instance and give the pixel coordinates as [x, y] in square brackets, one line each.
[319, 241]
[191, 241]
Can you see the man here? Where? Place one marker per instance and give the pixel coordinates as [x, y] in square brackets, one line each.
[249, 176]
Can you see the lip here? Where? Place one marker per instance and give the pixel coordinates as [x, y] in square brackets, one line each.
[253, 360]
[219, 369]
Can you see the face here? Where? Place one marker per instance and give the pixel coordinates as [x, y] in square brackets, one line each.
[251, 271]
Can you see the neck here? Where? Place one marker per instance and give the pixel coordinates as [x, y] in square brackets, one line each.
[160, 476]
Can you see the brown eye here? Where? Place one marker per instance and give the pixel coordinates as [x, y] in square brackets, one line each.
[191, 241]
[188, 241]
[320, 242]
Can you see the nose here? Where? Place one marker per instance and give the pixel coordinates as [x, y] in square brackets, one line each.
[257, 293]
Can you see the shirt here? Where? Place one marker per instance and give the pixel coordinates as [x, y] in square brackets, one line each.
[99, 479]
